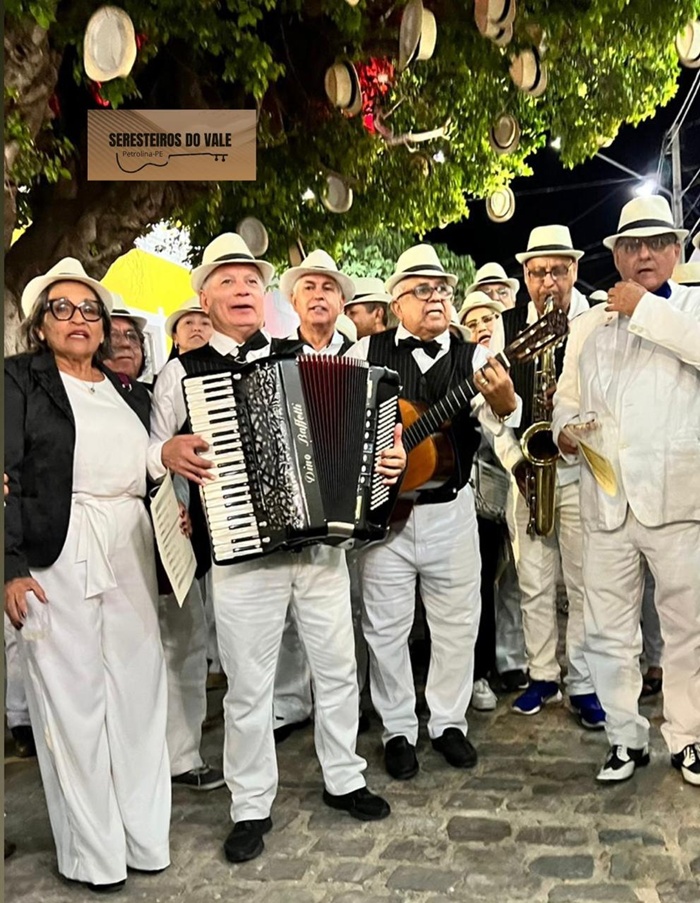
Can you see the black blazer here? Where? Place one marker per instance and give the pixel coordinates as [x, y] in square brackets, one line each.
[39, 449]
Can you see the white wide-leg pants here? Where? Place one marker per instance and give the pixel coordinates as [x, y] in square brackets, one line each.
[97, 694]
[16, 708]
[536, 559]
[613, 576]
[183, 632]
[251, 601]
[439, 544]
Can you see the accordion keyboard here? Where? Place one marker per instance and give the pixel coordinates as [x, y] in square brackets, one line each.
[227, 498]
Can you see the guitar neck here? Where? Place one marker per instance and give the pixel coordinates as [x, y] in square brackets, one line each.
[456, 400]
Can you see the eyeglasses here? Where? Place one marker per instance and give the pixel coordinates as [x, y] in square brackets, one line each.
[495, 293]
[424, 291]
[560, 271]
[63, 309]
[485, 320]
[653, 243]
[129, 335]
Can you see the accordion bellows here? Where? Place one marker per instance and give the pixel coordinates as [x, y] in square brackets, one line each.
[294, 444]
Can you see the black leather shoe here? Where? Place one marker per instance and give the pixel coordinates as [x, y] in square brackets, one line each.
[400, 759]
[112, 888]
[512, 681]
[246, 839]
[361, 804]
[457, 750]
[283, 731]
[24, 741]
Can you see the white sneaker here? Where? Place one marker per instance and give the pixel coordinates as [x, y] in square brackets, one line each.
[483, 697]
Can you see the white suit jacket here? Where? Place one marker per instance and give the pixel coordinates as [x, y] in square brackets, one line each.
[641, 376]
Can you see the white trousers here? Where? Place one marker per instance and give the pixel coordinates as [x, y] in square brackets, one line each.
[440, 545]
[537, 559]
[613, 576]
[510, 640]
[96, 689]
[183, 632]
[212, 641]
[251, 601]
[16, 708]
[293, 699]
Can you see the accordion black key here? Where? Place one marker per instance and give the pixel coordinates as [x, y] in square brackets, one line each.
[294, 444]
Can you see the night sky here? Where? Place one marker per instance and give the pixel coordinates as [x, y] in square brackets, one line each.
[590, 210]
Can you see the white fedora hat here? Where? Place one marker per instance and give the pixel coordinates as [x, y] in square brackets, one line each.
[490, 273]
[229, 248]
[254, 234]
[500, 206]
[688, 45]
[121, 310]
[549, 241]
[66, 270]
[687, 273]
[504, 134]
[296, 252]
[343, 88]
[109, 47]
[528, 72]
[479, 299]
[417, 34]
[192, 304]
[643, 217]
[493, 15]
[321, 263]
[337, 195]
[369, 288]
[420, 260]
[598, 296]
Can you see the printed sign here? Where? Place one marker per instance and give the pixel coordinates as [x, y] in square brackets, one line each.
[171, 145]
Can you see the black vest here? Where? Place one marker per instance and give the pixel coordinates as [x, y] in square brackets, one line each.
[429, 388]
[523, 375]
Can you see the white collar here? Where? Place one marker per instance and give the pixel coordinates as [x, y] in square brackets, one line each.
[224, 344]
[579, 304]
[333, 347]
[402, 333]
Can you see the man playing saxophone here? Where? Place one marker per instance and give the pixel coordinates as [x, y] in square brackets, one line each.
[543, 507]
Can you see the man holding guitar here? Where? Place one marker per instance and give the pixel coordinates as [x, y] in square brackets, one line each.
[438, 542]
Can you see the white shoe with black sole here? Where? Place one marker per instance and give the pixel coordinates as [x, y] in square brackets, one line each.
[687, 761]
[621, 762]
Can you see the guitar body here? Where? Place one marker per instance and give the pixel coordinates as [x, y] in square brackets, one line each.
[431, 461]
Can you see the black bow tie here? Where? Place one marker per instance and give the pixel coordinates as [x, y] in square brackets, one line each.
[254, 343]
[433, 347]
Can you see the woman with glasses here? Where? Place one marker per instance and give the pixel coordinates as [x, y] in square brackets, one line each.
[80, 584]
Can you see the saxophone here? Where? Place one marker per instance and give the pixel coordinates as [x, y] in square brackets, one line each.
[538, 447]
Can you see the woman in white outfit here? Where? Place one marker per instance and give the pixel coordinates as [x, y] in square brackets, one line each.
[79, 564]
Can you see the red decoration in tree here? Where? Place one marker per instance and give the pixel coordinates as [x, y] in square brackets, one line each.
[141, 39]
[376, 78]
[55, 105]
[94, 88]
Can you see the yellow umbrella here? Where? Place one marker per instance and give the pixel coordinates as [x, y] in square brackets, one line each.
[149, 283]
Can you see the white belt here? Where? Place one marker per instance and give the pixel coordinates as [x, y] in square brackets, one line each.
[99, 528]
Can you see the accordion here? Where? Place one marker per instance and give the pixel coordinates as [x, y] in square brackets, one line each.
[294, 444]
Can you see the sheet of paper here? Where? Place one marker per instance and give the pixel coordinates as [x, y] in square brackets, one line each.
[175, 549]
[600, 466]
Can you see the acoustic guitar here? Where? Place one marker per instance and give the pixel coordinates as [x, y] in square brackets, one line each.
[431, 457]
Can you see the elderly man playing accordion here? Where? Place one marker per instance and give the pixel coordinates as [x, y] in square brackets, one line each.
[251, 598]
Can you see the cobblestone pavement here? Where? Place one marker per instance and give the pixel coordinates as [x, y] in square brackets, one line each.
[528, 824]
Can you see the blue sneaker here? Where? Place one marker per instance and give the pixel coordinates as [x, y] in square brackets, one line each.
[539, 693]
[589, 710]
